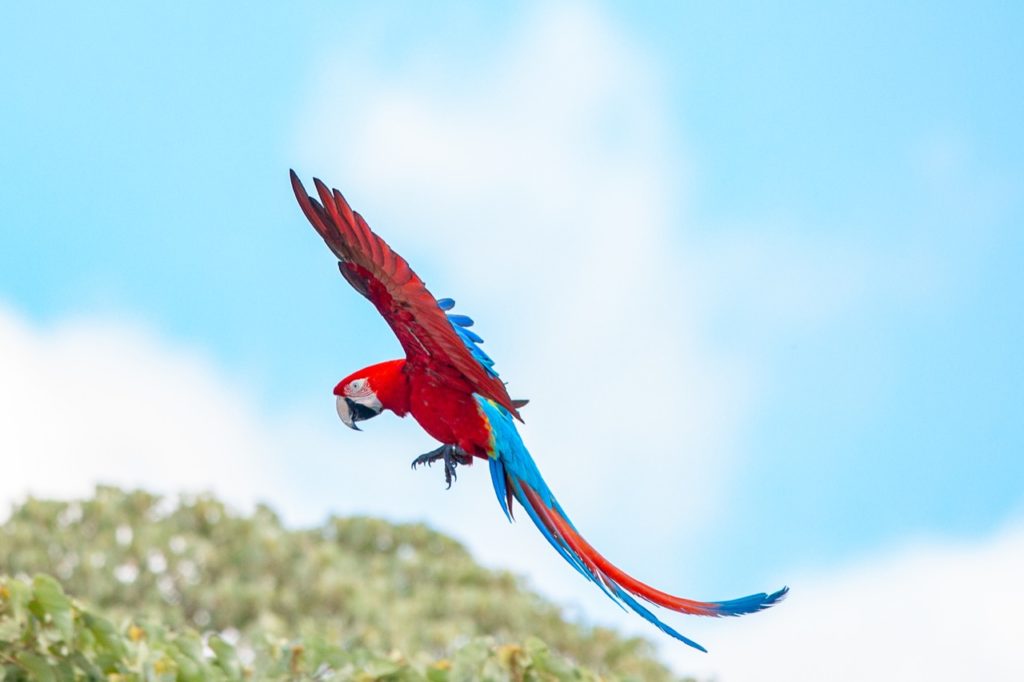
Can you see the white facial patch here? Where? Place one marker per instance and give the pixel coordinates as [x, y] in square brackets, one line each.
[358, 388]
[368, 399]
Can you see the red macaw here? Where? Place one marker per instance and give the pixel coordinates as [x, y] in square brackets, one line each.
[449, 386]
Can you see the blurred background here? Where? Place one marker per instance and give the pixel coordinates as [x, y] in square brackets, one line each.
[759, 271]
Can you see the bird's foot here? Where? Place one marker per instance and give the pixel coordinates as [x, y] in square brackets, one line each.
[452, 456]
[429, 458]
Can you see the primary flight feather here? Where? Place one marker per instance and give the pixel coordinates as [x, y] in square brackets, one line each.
[449, 385]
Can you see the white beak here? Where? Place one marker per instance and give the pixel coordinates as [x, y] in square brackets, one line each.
[346, 413]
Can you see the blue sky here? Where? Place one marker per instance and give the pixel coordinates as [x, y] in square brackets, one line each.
[838, 190]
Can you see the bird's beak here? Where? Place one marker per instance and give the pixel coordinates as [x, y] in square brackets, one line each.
[351, 412]
[346, 413]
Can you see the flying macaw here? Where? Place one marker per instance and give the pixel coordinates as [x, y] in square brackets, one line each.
[449, 385]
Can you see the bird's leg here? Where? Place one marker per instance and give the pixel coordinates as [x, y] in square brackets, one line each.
[429, 457]
[452, 455]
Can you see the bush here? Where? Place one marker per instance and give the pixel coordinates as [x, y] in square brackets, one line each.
[46, 636]
[356, 598]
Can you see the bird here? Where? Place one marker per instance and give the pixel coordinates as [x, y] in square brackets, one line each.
[450, 387]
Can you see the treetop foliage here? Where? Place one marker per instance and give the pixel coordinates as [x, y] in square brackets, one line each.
[190, 590]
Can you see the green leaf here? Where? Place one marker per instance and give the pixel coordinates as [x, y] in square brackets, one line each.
[54, 603]
[108, 639]
[224, 655]
[469, 661]
[18, 595]
[65, 673]
[381, 669]
[88, 668]
[38, 669]
[435, 674]
[188, 668]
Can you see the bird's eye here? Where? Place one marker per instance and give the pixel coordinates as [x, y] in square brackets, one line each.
[357, 385]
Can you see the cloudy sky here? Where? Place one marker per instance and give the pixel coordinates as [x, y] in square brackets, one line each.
[759, 272]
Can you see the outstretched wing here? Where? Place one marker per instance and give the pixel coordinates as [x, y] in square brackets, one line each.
[427, 335]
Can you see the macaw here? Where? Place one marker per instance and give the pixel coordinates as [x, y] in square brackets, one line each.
[450, 387]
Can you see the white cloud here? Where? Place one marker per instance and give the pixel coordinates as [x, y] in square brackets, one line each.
[88, 402]
[930, 612]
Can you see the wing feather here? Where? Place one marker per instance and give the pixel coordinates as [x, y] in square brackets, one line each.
[385, 278]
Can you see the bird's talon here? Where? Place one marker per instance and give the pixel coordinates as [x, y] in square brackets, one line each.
[452, 457]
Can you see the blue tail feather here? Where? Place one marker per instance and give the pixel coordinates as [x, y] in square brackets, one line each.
[513, 470]
[500, 489]
[645, 613]
[751, 603]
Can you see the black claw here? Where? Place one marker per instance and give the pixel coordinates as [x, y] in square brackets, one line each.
[449, 467]
[428, 458]
[452, 456]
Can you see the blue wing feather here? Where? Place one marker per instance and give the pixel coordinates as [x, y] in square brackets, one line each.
[461, 320]
[471, 339]
[471, 335]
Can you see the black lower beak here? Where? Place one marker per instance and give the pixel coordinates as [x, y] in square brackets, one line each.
[360, 413]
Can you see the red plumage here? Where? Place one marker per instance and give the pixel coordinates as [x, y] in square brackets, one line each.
[442, 403]
[437, 360]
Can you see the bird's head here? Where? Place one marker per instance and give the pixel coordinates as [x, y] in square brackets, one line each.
[364, 394]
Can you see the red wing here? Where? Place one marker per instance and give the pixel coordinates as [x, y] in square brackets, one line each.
[385, 278]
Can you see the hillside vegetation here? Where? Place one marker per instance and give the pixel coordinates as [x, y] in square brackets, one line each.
[192, 591]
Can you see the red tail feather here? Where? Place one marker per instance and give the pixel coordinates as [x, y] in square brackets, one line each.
[601, 567]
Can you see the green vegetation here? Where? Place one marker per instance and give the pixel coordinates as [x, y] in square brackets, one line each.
[193, 591]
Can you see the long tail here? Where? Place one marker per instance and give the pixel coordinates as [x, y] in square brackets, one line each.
[515, 476]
